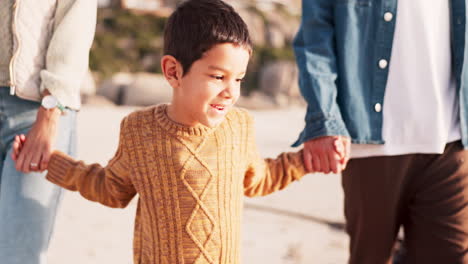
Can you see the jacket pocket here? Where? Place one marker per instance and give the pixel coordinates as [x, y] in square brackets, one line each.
[352, 16]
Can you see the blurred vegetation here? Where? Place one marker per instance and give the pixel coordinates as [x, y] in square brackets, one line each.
[126, 41]
[262, 56]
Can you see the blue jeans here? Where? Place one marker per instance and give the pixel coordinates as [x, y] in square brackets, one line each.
[28, 202]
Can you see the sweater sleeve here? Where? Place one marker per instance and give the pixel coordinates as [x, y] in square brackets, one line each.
[68, 51]
[110, 185]
[265, 176]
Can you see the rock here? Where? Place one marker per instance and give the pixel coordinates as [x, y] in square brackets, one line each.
[255, 24]
[96, 100]
[288, 25]
[282, 100]
[139, 89]
[280, 78]
[291, 6]
[114, 88]
[151, 5]
[237, 4]
[257, 101]
[150, 62]
[275, 38]
[88, 86]
[142, 5]
[147, 89]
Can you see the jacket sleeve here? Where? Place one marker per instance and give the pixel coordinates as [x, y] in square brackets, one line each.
[314, 47]
[265, 176]
[67, 55]
[110, 185]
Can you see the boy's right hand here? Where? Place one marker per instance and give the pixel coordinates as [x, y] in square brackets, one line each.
[327, 154]
[18, 144]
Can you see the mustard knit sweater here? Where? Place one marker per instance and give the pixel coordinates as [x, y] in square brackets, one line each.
[190, 182]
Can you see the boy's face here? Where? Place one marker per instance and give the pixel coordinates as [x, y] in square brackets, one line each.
[211, 86]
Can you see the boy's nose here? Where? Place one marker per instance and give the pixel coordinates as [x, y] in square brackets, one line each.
[231, 91]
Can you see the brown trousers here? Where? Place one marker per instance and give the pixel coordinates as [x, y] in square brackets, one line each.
[426, 194]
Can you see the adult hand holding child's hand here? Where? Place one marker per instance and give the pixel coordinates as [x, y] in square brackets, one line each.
[327, 154]
[32, 153]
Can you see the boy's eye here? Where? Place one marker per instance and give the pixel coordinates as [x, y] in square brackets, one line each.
[217, 77]
[240, 80]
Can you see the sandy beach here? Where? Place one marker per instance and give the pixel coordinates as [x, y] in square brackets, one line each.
[301, 225]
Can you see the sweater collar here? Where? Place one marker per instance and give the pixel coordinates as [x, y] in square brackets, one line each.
[176, 128]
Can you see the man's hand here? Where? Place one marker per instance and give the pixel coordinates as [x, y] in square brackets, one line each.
[327, 154]
[33, 152]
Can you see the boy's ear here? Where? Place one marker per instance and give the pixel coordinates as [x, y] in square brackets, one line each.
[172, 70]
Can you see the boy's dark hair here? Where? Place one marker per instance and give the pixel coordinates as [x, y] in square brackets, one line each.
[197, 25]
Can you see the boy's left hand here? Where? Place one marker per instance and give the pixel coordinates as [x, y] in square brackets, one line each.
[343, 148]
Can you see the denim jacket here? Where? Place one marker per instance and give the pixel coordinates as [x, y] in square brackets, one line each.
[343, 49]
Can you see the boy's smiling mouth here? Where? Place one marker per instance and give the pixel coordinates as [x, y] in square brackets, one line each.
[219, 107]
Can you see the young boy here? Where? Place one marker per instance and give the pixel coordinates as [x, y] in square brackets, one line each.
[192, 160]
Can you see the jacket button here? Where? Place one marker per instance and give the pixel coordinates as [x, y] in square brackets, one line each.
[383, 64]
[378, 107]
[388, 17]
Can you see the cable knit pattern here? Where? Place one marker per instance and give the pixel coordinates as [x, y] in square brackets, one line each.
[6, 41]
[190, 182]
